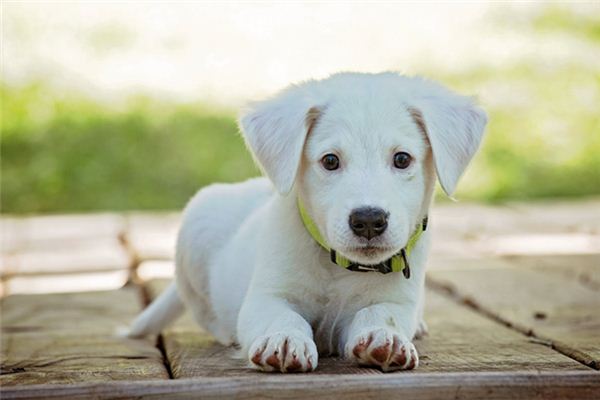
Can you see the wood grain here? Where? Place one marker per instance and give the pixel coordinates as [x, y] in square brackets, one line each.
[459, 340]
[67, 338]
[547, 304]
[580, 385]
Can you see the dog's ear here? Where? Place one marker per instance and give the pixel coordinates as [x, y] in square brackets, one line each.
[275, 131]
[454, 126]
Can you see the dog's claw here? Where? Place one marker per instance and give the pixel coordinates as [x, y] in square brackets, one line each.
[383, 349]
[279, 353]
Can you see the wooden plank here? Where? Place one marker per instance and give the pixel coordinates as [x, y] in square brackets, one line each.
[156, 269]
[468, 229]
[152, 235]
[59, 245]
[45, 232]
[583, 268]
[462, 340]
[540, 244]
[514, 244]
[74, 256]
[466, 219]
[66, 338]
[60, 283]
[565, 216]
[558, 310]
[459, 340]
[580, 385]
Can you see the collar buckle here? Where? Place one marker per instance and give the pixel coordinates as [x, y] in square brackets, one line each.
[383, 268]
[406, 269]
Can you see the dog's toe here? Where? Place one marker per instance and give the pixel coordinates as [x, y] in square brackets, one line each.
[283, 352]
[383, 349]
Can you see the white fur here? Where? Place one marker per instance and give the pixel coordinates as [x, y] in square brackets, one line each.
[251, 273]
[166, 309]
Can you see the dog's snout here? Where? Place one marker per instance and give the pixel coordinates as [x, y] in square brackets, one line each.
[368, 222]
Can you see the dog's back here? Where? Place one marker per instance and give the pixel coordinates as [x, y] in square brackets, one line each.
[214, 214]
[210, 221]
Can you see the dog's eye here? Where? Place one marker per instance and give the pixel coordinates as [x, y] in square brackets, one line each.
[402, 160]
[330, 162]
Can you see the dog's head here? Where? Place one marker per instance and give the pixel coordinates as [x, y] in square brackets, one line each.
[362, 151]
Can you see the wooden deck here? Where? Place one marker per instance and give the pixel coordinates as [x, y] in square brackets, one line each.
[513, 309]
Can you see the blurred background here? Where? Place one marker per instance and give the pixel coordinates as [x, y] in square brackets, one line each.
[132, 106]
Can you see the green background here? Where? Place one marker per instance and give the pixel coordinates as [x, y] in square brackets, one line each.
[62, 152]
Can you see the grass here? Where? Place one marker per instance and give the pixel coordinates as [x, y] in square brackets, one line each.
[74, 155]
[543, 138]
[65, 153]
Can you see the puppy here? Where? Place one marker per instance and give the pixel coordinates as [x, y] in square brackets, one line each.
[328, 254]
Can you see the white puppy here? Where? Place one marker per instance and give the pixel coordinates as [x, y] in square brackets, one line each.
[353, 160]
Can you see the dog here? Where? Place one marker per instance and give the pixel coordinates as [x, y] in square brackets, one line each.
[326, 255]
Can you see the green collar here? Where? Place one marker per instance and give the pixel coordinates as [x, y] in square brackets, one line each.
[397, 263]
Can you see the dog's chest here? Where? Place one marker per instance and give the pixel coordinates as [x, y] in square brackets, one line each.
[337, 299]
[337, 308]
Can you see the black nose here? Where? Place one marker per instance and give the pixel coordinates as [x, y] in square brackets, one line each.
[368, 222]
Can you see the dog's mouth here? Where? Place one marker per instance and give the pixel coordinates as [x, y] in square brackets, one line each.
[370, 254]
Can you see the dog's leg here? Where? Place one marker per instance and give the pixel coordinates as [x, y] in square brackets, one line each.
[275, 336]
[422, 329]
[380, 336]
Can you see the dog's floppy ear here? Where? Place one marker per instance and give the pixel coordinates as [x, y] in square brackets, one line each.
[275, 131]
[454, 126]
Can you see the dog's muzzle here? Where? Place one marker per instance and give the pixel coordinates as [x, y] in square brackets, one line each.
[397, 263]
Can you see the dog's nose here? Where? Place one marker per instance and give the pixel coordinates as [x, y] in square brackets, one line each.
[368, 222]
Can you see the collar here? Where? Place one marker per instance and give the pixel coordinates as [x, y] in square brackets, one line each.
[398, 262]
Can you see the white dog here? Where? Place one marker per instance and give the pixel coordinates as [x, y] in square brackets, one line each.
[285, 272]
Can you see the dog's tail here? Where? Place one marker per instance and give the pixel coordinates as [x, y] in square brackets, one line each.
[164, 310]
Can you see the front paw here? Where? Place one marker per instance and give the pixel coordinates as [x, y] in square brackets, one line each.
[384, 349]
[284, 352]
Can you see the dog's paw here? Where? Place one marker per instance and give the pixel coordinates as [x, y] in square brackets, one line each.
[384, 349]
[284, 352]
[422, 330]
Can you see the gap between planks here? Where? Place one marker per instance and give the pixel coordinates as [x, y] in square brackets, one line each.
[134, 263]
[449, 291]
[160, 342]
